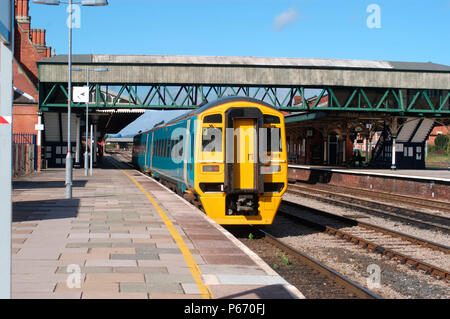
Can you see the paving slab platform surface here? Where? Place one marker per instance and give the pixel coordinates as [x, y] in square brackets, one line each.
[123, 235]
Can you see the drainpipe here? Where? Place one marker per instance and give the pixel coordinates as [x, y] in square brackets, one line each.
[394, 137]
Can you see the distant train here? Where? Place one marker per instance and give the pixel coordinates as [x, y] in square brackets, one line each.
[229, 156]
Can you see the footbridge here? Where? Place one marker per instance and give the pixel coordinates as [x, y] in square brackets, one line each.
[184, 82]
[346, 95]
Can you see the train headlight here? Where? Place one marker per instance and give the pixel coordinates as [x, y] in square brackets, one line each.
[210, 168]
[270, 169]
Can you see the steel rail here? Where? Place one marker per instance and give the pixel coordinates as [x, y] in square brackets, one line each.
[402, 216]
[389, 197]
[328, 272]
[364, 243]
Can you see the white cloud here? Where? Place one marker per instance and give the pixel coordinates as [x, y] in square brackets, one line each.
[283, 19]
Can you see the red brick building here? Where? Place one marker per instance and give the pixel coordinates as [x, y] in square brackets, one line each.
[29, 47]
[437, 130]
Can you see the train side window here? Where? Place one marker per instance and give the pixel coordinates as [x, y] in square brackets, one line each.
[172, 144]
[169, 143]
[214, 118]
[157, 148]
[212, 139]
[180, 150]
[164, 149]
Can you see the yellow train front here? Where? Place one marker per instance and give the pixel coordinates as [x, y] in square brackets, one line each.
[232, 159]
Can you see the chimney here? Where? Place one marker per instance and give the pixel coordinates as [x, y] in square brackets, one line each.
[48, 52]
[42, 37]
[38, 37]
[18, 7]
[34, 36]
[22, 10]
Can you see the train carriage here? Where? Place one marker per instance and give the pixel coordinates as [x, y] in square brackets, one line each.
[229, 155]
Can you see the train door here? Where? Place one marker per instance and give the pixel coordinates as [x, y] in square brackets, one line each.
[186, 153]
[151, 152]
[146, 153]
[244, 153]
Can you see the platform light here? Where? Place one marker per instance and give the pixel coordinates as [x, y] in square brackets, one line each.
[87, 118]
[88, 3]
[91, 3]
[94, 3]
[47, 2]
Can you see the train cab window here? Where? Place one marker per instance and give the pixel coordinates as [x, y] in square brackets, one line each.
[273, 139]
[270, 119]
[214, 118]
[212, 139]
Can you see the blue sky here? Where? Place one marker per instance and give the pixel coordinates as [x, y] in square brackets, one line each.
[410, 30]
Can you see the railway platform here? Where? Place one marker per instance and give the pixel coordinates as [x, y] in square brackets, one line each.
[426, 183]
[123, 235]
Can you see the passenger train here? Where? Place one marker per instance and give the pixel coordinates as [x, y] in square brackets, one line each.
[229, 156]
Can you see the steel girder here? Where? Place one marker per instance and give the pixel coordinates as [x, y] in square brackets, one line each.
[401, 101]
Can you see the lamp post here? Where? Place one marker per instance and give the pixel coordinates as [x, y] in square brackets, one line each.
[87, 115]
[69, 70]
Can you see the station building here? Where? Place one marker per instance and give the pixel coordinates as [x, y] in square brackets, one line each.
[29, 48]
[357, 138]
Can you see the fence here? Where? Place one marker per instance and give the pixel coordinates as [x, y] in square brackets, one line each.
[24, 154]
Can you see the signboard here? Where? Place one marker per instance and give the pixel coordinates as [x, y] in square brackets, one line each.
[5, 119]
[81, 94]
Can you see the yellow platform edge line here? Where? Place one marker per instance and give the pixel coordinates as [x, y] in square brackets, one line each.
[193, 267]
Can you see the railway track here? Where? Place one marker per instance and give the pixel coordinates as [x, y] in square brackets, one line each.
[439, 206]
[438, 220]
[420, 254]
[321, 281]
[317, 279]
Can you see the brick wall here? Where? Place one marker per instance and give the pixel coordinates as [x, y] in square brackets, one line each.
[29, 48]
[435, 132]
[25, 117]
